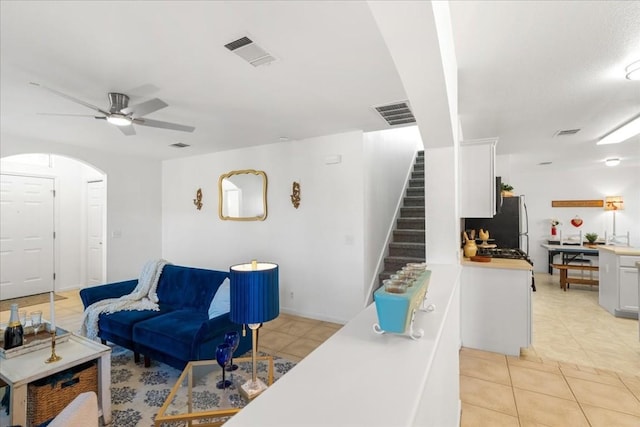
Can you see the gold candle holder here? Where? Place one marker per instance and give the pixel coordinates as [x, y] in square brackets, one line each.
[54, 357]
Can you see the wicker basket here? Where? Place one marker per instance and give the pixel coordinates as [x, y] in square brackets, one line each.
[47, 397]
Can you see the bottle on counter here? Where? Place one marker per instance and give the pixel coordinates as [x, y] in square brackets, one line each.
[13, 335]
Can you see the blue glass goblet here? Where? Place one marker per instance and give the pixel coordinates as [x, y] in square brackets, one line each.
[233, 339]
[223, 355]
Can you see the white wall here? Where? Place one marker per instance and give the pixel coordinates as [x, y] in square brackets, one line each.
[389, 157]
[415, 33]
[133, 202]
[543, 184]
[319, 246]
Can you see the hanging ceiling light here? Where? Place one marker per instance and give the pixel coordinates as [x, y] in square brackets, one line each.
[633, 71]
[612, 161]
[624, 132]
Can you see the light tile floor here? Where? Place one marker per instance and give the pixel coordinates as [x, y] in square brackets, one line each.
[582, 370]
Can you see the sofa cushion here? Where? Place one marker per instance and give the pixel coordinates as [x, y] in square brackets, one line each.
[221, 302]
[121, 323]
[186, 287]
[171, 333]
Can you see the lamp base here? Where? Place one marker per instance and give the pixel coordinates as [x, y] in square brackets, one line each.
[252, 388]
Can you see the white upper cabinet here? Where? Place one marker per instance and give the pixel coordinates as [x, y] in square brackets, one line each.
[477, 160]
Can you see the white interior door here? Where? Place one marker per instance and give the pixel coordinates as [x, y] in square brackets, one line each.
[26, 235]
[95, 232]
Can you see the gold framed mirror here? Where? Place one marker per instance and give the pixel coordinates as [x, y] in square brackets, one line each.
[242, 195]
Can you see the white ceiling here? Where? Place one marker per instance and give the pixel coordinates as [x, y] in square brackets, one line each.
[526, 69]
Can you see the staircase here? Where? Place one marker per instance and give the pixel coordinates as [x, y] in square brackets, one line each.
[408, 243]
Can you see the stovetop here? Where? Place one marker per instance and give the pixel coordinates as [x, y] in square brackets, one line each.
[504, 253]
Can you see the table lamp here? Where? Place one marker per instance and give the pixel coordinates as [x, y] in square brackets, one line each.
[613, 203]
[254, 300]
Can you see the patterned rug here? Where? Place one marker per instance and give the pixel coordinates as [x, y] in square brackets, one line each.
[137, 393]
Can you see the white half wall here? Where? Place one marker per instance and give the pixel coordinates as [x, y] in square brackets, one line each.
[133, 202]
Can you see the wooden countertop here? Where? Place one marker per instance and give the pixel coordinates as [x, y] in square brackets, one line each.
[621, 250]
[500, 263]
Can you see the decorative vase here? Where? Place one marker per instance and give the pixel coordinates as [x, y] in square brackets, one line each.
[470, 248]
[553, 230]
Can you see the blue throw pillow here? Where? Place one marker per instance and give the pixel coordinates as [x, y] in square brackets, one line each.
[221, 302]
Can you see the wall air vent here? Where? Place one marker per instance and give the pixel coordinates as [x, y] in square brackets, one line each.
[246, 49]
[566, 132]
[179, 145]
[398, 113]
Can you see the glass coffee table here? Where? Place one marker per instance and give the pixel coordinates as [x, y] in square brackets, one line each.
[195, 399]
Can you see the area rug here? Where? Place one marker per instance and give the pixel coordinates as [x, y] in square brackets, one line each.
[137, 393]
[28, 301]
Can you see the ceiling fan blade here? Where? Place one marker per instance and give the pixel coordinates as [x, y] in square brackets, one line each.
[70, 115]
[71, 98]
[127, 130]
[163, 125]
[145, 108]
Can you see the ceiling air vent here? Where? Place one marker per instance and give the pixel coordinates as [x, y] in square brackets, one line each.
[398, 113]
[567, 132]
[179, 145]
[246, 49]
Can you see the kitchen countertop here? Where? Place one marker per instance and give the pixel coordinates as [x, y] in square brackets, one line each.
[499, 263]
[621, 250]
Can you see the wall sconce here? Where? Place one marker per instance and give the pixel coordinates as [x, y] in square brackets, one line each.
[295, 196]
[198, 200]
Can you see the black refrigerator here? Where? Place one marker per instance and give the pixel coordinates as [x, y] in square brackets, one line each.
[508, 229]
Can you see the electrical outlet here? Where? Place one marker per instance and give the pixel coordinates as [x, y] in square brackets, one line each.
[291, 294]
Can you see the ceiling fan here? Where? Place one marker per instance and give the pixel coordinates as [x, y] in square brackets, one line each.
[121, 114]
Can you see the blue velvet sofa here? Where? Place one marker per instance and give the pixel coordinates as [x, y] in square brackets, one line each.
[181, 331]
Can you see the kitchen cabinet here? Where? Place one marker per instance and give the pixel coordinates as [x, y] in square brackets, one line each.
[496, 306]
[618, 277]
[628, 293]
[477, 174]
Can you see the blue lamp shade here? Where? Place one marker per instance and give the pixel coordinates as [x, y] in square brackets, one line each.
[254, 292]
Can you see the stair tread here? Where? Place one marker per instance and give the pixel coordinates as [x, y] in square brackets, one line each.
[401, 258]
[410, 239]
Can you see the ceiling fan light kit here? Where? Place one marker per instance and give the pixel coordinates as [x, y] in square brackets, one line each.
[119, 119]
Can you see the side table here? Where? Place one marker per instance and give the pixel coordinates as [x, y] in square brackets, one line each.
[21, 370]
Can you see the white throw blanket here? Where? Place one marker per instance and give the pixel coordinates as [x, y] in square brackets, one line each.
[143, 297]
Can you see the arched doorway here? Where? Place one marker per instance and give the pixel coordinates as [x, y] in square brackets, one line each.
[52, 224]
